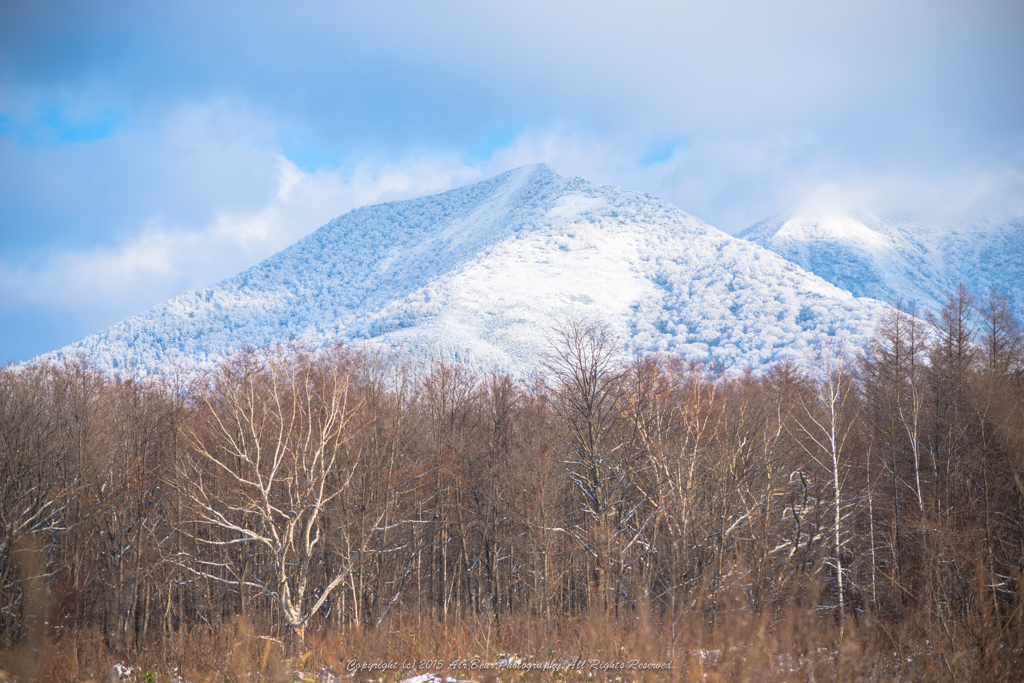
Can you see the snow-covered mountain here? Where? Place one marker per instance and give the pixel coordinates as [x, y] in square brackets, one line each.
[482, 275]
[890, 258]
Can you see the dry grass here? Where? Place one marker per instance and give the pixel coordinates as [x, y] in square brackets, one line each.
[733, 644]
[739, 647]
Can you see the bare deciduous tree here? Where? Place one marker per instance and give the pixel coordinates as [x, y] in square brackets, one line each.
[272, 455]
[826, 421]
[588, 377]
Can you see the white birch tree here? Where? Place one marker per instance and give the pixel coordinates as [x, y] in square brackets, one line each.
[273, 455]
[826, 420]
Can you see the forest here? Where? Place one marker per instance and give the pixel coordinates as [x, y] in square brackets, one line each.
[297, 509]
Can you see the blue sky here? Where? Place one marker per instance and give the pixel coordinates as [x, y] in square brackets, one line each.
[151, 148]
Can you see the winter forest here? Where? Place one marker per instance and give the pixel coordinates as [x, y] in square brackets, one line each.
[296, 508]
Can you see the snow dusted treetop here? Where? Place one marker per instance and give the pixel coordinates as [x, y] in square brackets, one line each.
[482, 275]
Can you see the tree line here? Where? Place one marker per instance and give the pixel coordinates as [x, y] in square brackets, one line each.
[300, 488]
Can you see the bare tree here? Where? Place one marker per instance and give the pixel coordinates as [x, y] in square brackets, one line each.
[272, 456]
[826, 421]
[893, 378]
[587, 386]
[677, 437]
[31, 496]
[952, 360]
[1002, 337]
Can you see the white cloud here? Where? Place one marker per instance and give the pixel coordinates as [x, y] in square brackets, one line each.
[160, 261]
[732, 181]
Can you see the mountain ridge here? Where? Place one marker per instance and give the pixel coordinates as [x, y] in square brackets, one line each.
[899, 258]
[481, 274]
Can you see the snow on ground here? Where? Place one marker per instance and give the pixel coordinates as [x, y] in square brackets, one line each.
[896, 258]
[483, 274]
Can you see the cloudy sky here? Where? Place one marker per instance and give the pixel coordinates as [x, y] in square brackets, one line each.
[151, 148]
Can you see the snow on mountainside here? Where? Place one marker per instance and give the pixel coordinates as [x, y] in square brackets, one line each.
[482, 274]
[898, 259]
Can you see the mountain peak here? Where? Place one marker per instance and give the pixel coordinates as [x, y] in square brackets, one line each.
[482, 274]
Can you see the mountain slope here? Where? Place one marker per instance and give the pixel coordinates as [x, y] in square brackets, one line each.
[483, 273]
[899, 259]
